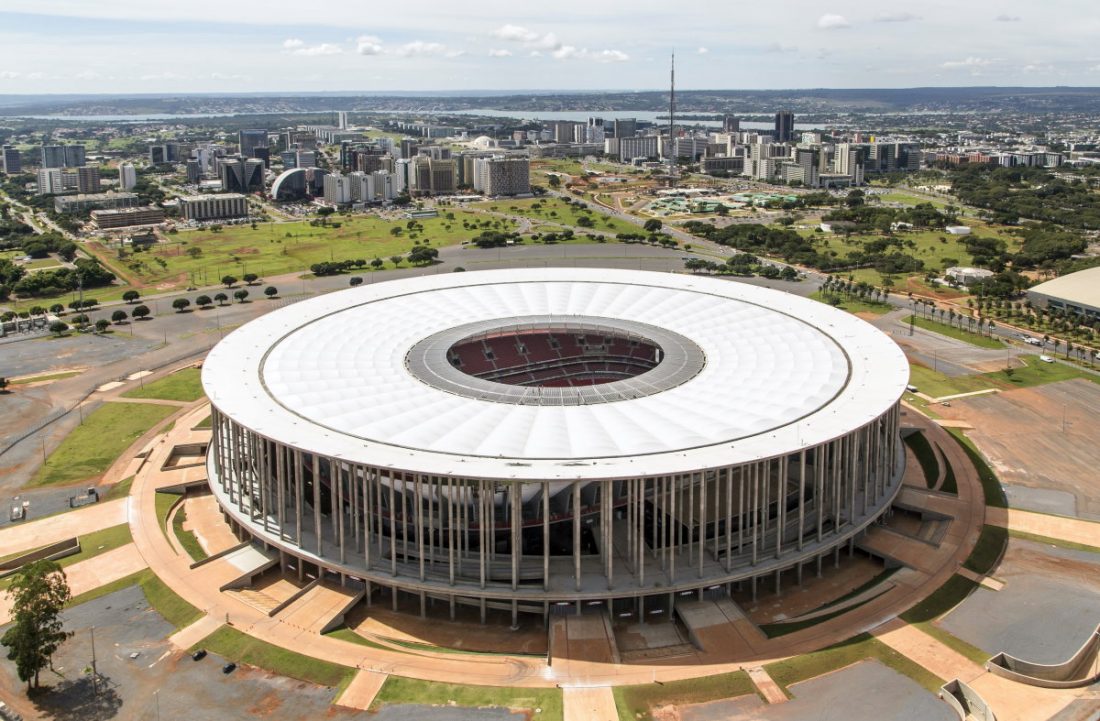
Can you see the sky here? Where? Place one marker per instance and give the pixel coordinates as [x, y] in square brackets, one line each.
[157, 46]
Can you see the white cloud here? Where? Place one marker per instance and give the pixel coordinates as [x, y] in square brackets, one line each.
[161, 76]
[535, 54]
[608, 56]
[291, 43]
[500, 53]
[778, 48]
[8, 75]
[1038, 68]
[702, 51]
[570, 52]
[322, 49]
[228, 76]
[970, 62]
[87, 75]
[418, 48]
[368, 45]
[896, 18]
[527, 38]
[1003, 18]
[832, 22]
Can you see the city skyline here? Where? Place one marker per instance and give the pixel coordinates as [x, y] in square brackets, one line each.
[128, 47]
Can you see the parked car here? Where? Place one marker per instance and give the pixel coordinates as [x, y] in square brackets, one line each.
[1046, 359]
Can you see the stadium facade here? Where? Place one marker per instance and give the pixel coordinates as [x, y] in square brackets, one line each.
[540, 441]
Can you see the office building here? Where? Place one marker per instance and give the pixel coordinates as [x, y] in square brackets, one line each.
[50, 181]
[731, 124]
[249, 140]
[164, 153]
[62, 156]
[194, 172]
[342, 119]
[502, 175]
[12, 161]
[625, 127]
[127, 217]
[241, 176]
[784, 126]
[127, 176]
[87, 179]
[645, 146]
[94, 201]
[222, 206]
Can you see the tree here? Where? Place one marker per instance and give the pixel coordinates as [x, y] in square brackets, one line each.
[58, 327]
[130, 296]
[250, 278]
[240, 295]
[57, 308]
[271, 291]
[118, 316]
[228, 281]
[396, 260]
[377, 263]
[652, 226]
[142, 311]
[203, 301]
[221, 298]
[102, 325]
[39, 592]
[180, 304]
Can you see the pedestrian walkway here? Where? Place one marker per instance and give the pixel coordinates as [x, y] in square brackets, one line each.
[45, 531]
[361, 691]
[767, 687]
[188, 636]
[91, 574]
[928, 652]
[589, 704]
[1074, 530]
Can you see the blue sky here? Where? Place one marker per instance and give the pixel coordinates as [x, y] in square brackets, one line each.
[201, 45]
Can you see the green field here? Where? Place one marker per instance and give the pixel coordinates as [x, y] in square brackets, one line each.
[183, 385]
[1027, 371]
[92, 447]
[555, 210]
[242, 648]
[400, 690]
[858, 648]
[46, 377]
[637, 702]
[955, 332]
[187, 539]
[853, 305]
[279, 248]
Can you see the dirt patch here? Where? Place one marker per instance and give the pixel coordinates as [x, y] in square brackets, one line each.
[867, 316]
[245, 251]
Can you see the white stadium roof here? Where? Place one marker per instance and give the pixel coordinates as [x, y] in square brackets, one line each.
[331, 375]
[1080, 288]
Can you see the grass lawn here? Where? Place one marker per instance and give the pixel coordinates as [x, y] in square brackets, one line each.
[120, 489]
[207, 422]
[636, 702]
[945, 598]
[168, 604]
[991, 485]
[922, 449]
[242, 648]
[954, 332]
[278, 248]
[183, 385]
[858, 648]
[1036, 373]
[399, 690]
[164, 502]
[346, 634]
[1023, 535]
[937, 384]
[92, 447]
[187, 539]
[555, 210]
[988, 550]
[853, 305]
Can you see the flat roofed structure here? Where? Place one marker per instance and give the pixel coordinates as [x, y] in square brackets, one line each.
[533, 438]
[1076, 293]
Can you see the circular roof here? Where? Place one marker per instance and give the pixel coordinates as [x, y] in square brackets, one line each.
[339, 375]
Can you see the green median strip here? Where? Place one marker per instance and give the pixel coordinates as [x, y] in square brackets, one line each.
[242, 648]
[400, 690]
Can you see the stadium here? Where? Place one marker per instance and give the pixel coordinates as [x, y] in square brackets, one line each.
[541, 441]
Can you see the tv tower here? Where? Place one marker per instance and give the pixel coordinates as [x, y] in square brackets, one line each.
[672, 124]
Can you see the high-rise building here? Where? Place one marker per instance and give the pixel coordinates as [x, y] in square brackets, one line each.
[731, 124]
[62, 156]
[12, 161]
[194, 172]
[342, 119]
[784, 126]
[337, 189]
[626, 127]
[50, 181]
[241, 176]
[87, 179]
[164, 153]
[127, 176]
[263, 153]
[637, 147]
[249, 140]
[502, 175]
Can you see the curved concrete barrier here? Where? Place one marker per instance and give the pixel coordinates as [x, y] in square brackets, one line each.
[966, 702]
[1082, 669]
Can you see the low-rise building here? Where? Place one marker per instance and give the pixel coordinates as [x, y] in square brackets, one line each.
[220, 206]
[127, 217]
[86, 202]
[1077, 293]
[968, 276]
